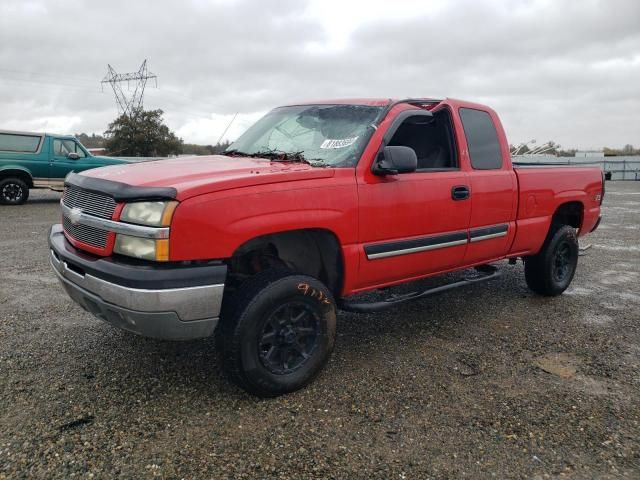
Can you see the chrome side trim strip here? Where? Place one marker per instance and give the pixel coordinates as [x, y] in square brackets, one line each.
[434, 242]
[487, 237]
[77, 216]
[407, 251]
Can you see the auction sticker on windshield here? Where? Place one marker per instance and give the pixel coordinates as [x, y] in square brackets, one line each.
[341, 143]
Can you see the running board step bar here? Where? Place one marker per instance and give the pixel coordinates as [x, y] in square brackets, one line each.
[483, 274]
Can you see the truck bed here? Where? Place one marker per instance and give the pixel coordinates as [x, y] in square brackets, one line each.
[544, 188]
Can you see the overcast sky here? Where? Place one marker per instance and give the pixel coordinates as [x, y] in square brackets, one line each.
[558, 70]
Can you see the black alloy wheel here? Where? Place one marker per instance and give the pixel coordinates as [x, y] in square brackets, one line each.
[13, 191]
[551, 270]
[276, 332]
[289, 337]
[562, 262]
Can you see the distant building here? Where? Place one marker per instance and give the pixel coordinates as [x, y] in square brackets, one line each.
[97, 151]
[589, 153]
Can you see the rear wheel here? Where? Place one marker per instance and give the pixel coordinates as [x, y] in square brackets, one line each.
[277, 332]
[13, 191]
[550, 272]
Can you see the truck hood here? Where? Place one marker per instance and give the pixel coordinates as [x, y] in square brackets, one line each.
[198, 175]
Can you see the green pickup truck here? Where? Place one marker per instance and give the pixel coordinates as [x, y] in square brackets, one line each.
[41, 160]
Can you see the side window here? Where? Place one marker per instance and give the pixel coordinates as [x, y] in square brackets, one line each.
[77, 148]
[61, 148]
[431, 139]
[10, 142]
[482, 139]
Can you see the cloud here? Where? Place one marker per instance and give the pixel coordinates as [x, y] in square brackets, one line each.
[559, 70]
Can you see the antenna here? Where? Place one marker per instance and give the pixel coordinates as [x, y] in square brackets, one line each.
[225, 130]
[129, 103]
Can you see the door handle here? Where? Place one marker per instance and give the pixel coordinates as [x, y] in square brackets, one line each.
[460, 192]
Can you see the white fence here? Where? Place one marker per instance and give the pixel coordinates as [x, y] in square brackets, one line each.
[620, 168]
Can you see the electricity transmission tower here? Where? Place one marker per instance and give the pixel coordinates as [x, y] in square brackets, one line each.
[128, 101]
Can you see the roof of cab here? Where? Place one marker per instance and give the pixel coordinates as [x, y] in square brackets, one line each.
[40, 134]
[374, 102]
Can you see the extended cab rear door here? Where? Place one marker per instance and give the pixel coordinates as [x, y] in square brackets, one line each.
[493, 184]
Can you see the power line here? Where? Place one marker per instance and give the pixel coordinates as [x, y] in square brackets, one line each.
[89, 84]
[49, 74]
[126, 102]
[57, 84]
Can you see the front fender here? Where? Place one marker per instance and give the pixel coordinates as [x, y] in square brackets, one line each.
[213, 226]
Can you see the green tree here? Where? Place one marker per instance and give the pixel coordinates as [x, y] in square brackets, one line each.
[628, 149]
[93, 141]
[193, 149]
[141, 134]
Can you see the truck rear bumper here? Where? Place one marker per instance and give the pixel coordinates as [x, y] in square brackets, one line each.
[177, 303]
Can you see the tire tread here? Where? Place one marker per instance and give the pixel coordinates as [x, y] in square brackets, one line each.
[537, 268]
[228, 338]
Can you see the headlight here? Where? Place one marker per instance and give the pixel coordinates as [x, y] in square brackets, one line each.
[152, 214]
[145, 248]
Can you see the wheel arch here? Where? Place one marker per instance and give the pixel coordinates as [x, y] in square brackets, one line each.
[16, 172]
[569, 213]
[311, 251]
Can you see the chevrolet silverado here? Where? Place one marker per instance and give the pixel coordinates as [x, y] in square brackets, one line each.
[313, 204]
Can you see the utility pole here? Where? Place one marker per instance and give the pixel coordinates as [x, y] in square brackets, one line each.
[129, 103]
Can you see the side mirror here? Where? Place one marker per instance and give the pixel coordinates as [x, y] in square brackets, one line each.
[394, 160]
[73, 156]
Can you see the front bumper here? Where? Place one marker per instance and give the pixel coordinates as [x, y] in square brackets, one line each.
[158, 301]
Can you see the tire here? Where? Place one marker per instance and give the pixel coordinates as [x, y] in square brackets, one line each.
[13, 191]
[277, 332]
[550, 271]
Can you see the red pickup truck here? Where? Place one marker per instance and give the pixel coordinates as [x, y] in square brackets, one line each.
[313, 204]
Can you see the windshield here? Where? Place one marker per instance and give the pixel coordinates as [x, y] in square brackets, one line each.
[332, 135]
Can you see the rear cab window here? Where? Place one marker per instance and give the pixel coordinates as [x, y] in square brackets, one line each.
[19, 143]
[482, 139]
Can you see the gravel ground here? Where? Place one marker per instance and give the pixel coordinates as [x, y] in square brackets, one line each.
[486, 381]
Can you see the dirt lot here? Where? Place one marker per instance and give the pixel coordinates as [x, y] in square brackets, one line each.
[489, 381]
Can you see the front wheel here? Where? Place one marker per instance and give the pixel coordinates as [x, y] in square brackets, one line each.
[277, 332]
[13, 191]
[550, 272]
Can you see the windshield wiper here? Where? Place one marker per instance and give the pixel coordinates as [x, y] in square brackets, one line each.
[235, 153]
[277, 156]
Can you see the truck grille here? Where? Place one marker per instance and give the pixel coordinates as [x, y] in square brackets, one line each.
[85, 233]
[92, 203]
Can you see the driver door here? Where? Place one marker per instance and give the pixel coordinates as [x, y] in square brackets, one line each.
[415, 224]
[60, 164]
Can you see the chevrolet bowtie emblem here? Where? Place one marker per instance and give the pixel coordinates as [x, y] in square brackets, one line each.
[74, 215]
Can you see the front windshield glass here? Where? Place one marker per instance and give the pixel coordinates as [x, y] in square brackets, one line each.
[333, 135]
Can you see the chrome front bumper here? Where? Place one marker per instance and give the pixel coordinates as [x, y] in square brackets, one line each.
[177, 313]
